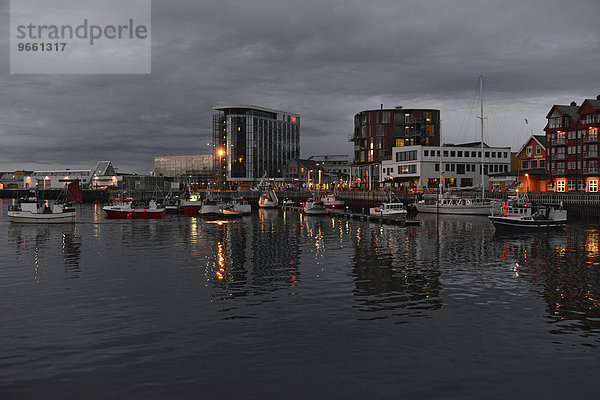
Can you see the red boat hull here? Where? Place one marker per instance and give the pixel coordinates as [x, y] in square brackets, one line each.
[190, 210]
[134, 214]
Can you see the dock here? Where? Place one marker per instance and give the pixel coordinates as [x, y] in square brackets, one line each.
[365, 217]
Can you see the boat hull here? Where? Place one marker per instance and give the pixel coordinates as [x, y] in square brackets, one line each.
[460, 210]
[26, 217]
[190, 210]
[134, 214]
[508, 223]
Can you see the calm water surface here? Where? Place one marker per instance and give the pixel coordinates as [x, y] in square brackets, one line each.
[280, 305]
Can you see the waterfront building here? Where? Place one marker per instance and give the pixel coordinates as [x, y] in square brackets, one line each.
[102, 175]
[531, 164]
[377, 132]
[421, 167]
[251, 142]
[572, 162]
[193, 168]
[310, 174]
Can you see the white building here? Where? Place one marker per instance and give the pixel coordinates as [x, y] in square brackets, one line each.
[418, 167]
[103, 175]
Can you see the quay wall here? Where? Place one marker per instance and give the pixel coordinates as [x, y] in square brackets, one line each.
[585, 205]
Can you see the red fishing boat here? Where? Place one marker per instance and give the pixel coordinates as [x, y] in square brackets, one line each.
[124, 209]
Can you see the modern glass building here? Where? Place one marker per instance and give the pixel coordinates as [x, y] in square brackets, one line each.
[199, 167]
[251, 141]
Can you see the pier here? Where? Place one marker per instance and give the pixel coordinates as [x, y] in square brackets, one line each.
[365, 217]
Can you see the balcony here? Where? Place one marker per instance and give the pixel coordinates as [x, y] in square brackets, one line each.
[559, 142]
[591, 170]
[558, 171]
[590, 138]
[559, 156]
[590, 154]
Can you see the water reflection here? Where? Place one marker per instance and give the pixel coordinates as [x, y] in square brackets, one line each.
[566, 266]
[38, 244]
[252, 256]
[394, 272]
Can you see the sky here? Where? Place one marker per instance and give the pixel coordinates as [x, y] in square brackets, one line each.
[325, 60]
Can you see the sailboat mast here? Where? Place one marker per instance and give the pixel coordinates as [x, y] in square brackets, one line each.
[481, 118]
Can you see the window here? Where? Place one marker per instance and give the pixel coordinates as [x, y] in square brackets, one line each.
[473, 154]
[571, 185]
[460, 169]
[385, 118]
[560, 185]
[542, 163]
[493, 154]
[524, 164]
[534, 164]
[445, 153]
[593, 185]
[426, 153]
[437, 167]
[487, 154]
[459, 154]
[529, 150]
[538, 150]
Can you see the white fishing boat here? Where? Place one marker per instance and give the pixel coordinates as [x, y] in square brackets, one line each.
[314, 206]
[212, 205]
[32, 210]
[240, 205]
[268, 200]
[521, 214]
[393, 207]
[389, 209]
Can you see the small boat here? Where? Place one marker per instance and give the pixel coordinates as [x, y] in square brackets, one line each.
[240, 205]
[124, 209]
[228, 214]
[389, 209]
[268, 200]
[190, 206]
[32, 210]
[393, 207]
[315, 207]
[520, 214]
[211, 205]
[172, 203]
[331, 202]
[288, 202]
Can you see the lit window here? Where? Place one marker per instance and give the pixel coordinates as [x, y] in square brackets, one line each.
[560, 185]
[593, 185]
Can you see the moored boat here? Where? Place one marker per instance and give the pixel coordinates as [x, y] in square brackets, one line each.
[331, 202]
[32, 210]
[124, 209]
[240, 205]
[389, 209]
[314, 207]
[456, 205]
[268, 200]
[521, 214]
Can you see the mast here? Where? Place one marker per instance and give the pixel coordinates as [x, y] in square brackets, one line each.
[481, 118]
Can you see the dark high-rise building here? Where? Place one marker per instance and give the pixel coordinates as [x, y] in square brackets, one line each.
[376, 132]
[251, 141]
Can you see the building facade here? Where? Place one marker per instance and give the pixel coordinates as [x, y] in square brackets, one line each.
[377, 132]
[416, 168]
[250, 142]
[572, 147]
[199, 168]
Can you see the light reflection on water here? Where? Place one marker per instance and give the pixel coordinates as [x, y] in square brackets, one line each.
[153, 290]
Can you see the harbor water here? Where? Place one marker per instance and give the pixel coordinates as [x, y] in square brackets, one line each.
[281, 305]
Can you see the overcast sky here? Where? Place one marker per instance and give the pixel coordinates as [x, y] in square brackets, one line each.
[325, 60]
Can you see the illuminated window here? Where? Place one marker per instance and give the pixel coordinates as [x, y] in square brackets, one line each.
[593, 185]
[560, 185]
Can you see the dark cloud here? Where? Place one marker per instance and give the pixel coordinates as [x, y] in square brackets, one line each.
[325, 60]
